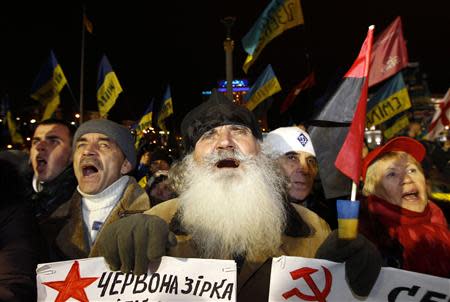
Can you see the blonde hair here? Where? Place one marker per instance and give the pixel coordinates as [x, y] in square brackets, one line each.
[374, 172]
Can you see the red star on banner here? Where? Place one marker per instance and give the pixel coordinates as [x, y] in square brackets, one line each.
[73, 286]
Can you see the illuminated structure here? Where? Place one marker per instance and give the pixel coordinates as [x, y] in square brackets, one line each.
[240, 88]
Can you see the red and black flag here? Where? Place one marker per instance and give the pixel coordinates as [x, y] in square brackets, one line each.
[330, 131]
[307, 82]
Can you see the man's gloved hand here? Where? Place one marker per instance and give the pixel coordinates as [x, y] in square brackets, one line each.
[362, 260]
[130, 243]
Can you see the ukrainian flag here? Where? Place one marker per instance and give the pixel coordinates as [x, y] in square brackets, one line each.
[278, 16]
[144, 123]
[395, 125]
[389, 101]
[108, 87]
[166, 109]
[266, 85]
[347, 214]
[48, 84]
[16, 137]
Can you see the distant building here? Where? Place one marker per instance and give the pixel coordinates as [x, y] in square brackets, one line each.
[240, 88]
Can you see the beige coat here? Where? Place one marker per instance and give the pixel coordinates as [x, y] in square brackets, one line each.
[71, 234]
[254, 277]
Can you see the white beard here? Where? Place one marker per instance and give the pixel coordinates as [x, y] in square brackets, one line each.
[234, 211]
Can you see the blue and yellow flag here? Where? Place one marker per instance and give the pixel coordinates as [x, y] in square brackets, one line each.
[390, 100]
[278, 16]
[395, 125]
[266, 85]
[48, 84]
[108, 87]
[166, 109]
[144, 123]
[16, 137]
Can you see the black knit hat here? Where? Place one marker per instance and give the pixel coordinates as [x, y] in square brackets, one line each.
[217, 111]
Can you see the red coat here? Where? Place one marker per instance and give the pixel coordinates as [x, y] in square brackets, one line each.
[418, 242]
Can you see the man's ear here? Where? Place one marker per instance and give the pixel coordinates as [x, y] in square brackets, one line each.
[126, 167]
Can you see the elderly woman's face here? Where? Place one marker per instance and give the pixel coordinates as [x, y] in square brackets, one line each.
[402, 183]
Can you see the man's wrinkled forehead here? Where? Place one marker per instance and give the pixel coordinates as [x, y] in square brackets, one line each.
[231, 126]
[99, 137]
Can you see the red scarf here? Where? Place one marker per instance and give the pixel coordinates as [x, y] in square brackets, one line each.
[425, 237]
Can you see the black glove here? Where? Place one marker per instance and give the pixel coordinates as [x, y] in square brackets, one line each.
[362, 260]
[130, 243]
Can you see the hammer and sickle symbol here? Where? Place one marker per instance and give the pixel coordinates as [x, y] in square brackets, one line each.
[305, 273]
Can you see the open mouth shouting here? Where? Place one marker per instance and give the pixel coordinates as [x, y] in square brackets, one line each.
[41, 164]
[89, 168]
[228, 163]
[411, 195]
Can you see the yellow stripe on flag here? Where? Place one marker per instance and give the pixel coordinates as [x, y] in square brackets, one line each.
[388, 108]
[270, 88]
[400, 124]
[52, 88]
[108, 93]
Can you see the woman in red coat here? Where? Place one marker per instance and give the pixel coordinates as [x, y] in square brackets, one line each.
[410, 231]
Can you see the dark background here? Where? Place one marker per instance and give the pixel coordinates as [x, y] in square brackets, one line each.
[180, 43]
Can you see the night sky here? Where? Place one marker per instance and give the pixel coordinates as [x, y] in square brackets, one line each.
[180, 43]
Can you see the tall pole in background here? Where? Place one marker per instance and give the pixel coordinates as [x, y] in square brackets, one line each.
[83, 33]
[228, 45]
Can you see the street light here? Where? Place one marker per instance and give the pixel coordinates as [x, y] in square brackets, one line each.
[374, 138]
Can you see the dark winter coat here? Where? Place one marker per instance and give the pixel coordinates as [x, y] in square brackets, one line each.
[18, 241]
[67, 231]
[304, 233]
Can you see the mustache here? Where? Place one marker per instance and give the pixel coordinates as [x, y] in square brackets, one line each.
[213, 158]
[89, 161]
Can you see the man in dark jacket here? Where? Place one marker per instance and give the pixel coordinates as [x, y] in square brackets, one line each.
[103, 155]
[18, 244]
[293, 149]
[52, 182]
[232, 206]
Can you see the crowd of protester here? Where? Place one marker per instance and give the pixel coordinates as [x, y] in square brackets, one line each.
[234, 194]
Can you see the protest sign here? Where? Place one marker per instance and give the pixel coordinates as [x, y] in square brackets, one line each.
[172, 279]
[305, 279]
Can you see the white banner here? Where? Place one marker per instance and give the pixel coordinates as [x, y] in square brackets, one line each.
[305, 279]
[176, 279]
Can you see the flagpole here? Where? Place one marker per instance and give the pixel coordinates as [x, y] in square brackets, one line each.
[83, 33]
[354, 189]
[73, 96]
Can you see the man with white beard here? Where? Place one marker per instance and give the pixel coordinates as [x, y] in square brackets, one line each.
[231, 203]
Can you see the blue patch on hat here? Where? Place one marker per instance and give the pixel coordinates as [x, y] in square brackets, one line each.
[302, 139]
